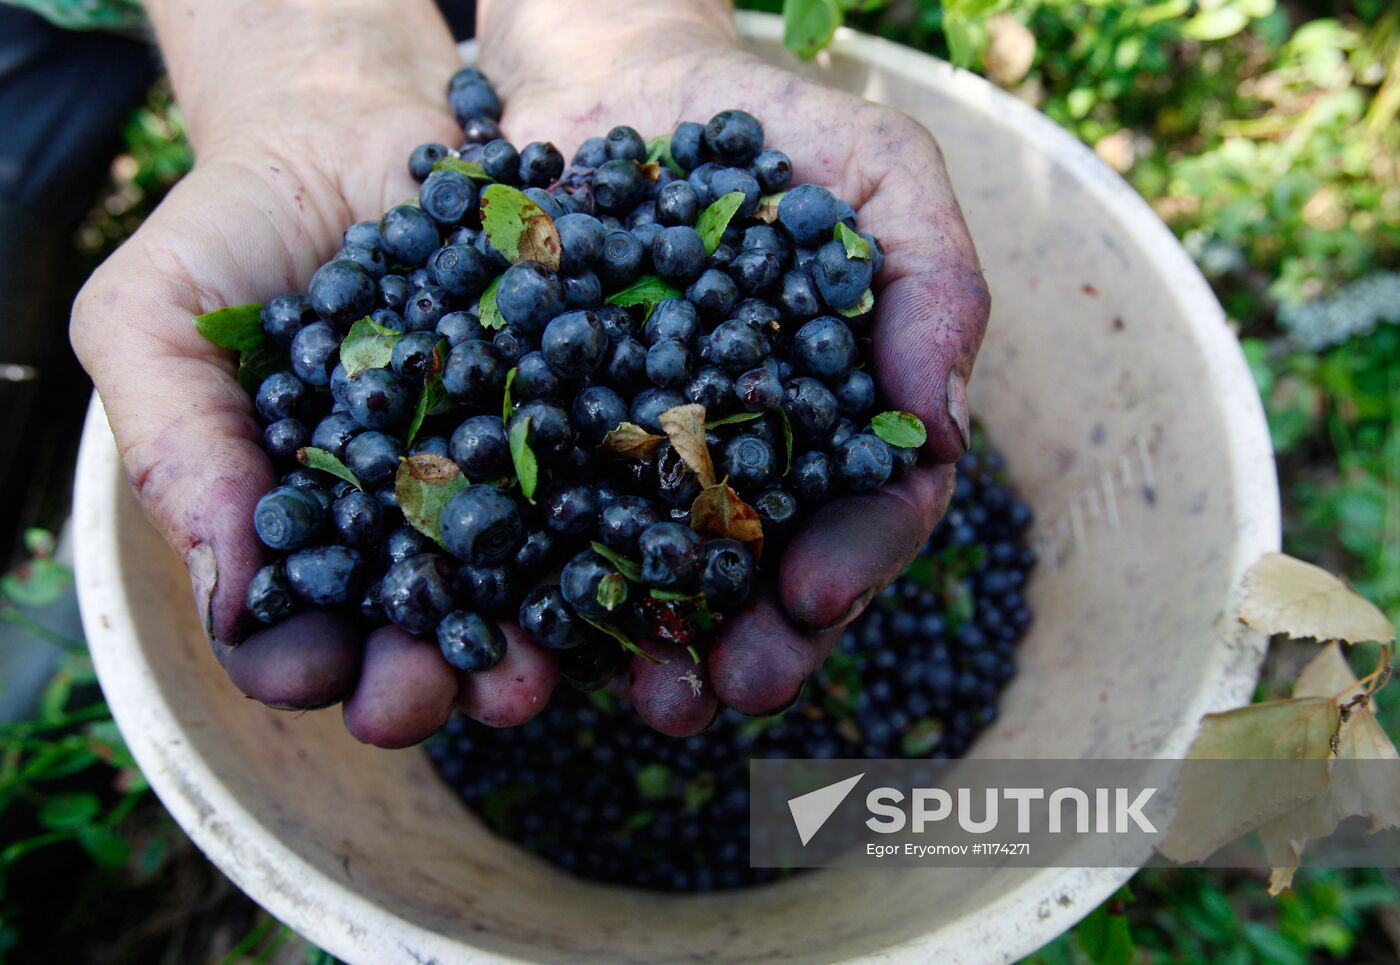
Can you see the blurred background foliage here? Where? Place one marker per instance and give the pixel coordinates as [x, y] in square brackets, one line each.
[1263, 132]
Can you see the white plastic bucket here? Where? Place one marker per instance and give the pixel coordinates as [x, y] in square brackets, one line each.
[1113, 383]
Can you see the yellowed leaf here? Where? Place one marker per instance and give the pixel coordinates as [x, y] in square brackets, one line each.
[767, 211]
[631, 441]
[1010, 50]
[1285, 595]
[684, 425]
[651, 170]
[718, 511]
[1327, 675]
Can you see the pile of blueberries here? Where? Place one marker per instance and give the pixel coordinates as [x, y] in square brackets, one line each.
[918, 675]
[689, 273]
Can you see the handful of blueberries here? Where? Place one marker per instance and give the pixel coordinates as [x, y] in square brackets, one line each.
[637, 371]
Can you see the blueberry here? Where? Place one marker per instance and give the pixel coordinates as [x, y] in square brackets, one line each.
[773, 169]
[288, 518]
[736, 347]
[583, 290]
[855, 394]
[625, 143]
[385, 318]
[810, 479]
[394, 291]
[406, 542]
[424, 309]
[688, 145]
[459, 271]
[550, 436]
[501, 161]
[712, 387]
[902, 461]
[861, 463]
[474, 374]
[511, 345]
[490, 590]
[571, 509]
[678, 254]
[373, 457]
[358, 519]
[622, 259]
[643, 215]
[596, 411]
[551, 205]
[670, 555]
[756, 270]
[648, 405]
[424, 156]
[418, 592]
[749, 463]
[581, 238]
[677, 204]
[537, 551]
[457, 327]
[574, 344]
[378, 400]
[728, 181]
[734, 136]
[625, 366]
[840, 279]
[767, 238]
[676, 483]
[368, 257]
[284, 437]
[342, 291]
[417, 278]
[286, 315]
[579, 581]
[592, 665]
[476, 131]
[547, 619]
[798, 296]
[281, 396]
[616, 321]
[466, 76]
[469, 100]
[668, 364]
[713, 294]
[809, 213]
[622, 522]
[494, 259]
[647, 233]
[699, 180]
[759, 389]
[408, 235]
[777, 511]
[269, 598]
[326, 575]
[534, 379]
[758, 314]
[529, 295]
[429, 446]
[481, 526]
[617, 186]
[540, 164]
[728, 572]
[843, 430]
[811, 408]
[362, 233]
[412, 356]
[469, 642]
[334, 432]
[825, 348]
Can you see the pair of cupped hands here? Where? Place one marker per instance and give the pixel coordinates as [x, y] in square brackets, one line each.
[307, 131]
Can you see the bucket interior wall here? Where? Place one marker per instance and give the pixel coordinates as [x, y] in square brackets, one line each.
[1111, 382]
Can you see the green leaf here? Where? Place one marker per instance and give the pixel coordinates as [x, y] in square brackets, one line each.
[855, 245]
[964, 37]
[368, 345]
[505, 401]
[922, 738]
[471, 169]
[659, 150]
[647, 290]
[787, 438]
[1105, 937]
[630, 569]
[654, 781]
[39, 542]
[488, 311]
[313, 458]
[675, 596]
[809, 25]
[517, 227]
[527, 467]
[36, 583]
[1217, 24]
[714, 219]
[258, 363]
[238, 328]
[423, 485]
[105, 847]
[63, 812]
[612, 591]
[735, 419]
[920, 572]
[866, 303]
[622, 638]
[902, 429]
[699, 790]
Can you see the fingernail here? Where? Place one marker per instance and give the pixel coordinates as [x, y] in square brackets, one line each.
[204, 577]
[857, 607]
[957, 407]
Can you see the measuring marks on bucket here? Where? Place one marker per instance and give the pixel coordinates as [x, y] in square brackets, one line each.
[1129, 481]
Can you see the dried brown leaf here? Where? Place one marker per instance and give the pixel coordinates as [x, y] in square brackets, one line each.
[685, 427]
[718, 511]
[631, 441]
[1284, 595]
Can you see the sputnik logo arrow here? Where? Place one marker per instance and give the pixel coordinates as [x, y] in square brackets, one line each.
[811, 810]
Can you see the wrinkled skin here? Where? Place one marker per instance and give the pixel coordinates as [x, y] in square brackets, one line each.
[290, 158]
